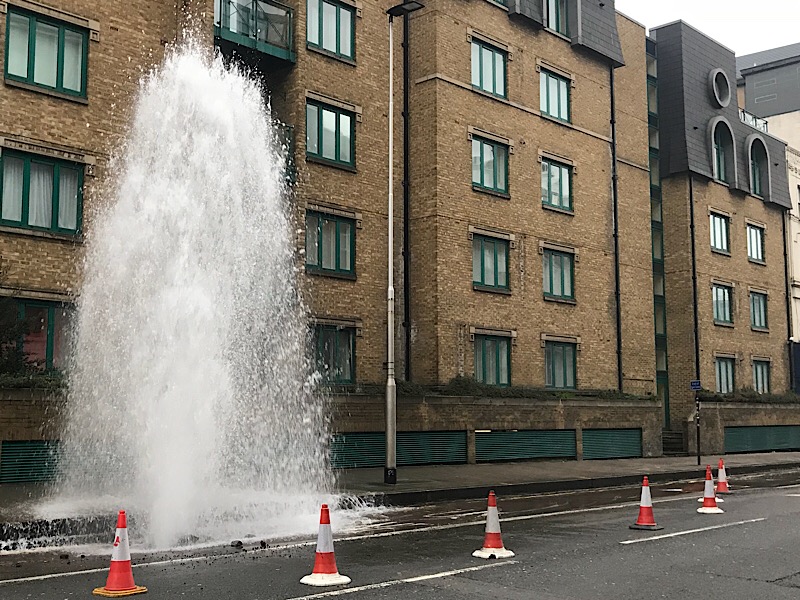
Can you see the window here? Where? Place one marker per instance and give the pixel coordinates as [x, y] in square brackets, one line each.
[720, 227]
[46, 53]
[493, 360]
[489, 165]
[556, 185]
[488, 68]
[489, 262]
[559, 362]
[40, 193]
[330, 134]
[722, 296]
[557, 269]
[330, 27]
[761, 376]
[554, 95]
[557, 15]
[758, 310]
[335, 353]
[725, 368]
[758, 169]
[46, 326]
[755, 243]
[330, 244]
[723, 153]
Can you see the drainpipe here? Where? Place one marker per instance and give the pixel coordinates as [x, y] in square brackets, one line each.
[694, 281]
[787, 291]
[615, 206]
[406, 205]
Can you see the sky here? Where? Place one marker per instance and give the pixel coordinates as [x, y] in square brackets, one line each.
[743, 26]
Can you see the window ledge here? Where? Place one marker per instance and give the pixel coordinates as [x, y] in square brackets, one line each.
[759, 329]
[558, 34]
[45, 91]
[491, 290]
[503, 99]
[563, 211]
[560, 389]
[560, 300]
[483, 190]
[330, 163]
[74, 238]
[721, 182]
[723, 324]
[333, 55]
[721, 252]
[757, 262]
[563, 122]
[331, 274]
[498, 5]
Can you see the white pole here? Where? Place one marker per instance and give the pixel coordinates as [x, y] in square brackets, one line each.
[390, 472]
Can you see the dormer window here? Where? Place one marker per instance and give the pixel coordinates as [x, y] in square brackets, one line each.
[759, 169]
[723, 153]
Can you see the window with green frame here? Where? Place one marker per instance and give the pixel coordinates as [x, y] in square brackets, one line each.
[556, 185]
[755, 243]
[558, 273]
[758, 310]
[554, 95]
[560, 367]
[493, 360]
[489, 165]
[489, 68]
[720, 226]
[330, 134]
[335, 353]
[761, 376]
[330, 27]
[489, 262]
[722, 297]
[42, 193]
[46, 328]
[725, 369]
[46, 53]
[758, 168]
[723, 152]
[330, 244]
[556, 16]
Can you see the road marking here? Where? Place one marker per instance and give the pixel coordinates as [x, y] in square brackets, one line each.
[678, 533]
[793, 495]
[385, 584]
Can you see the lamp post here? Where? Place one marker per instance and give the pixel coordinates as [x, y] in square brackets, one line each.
[390, 470]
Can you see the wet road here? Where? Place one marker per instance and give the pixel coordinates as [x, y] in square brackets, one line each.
[568, 546]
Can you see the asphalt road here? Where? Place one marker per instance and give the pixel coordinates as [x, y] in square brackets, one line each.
[568, 547]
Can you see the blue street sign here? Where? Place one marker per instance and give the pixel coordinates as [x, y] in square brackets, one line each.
[695, 385]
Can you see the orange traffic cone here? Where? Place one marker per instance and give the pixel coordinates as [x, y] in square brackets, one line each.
[709, 498]
[722, 479]
[325, 571]
[492, 540]
[120, 575]
[646, 519]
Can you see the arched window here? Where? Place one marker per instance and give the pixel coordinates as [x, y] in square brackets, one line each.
[759, 169]
[723, 153]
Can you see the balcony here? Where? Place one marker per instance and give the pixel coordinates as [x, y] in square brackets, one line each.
[752, 120]
[263, 25]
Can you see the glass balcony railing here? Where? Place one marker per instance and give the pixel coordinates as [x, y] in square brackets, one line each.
[752, 120]
[263, 25]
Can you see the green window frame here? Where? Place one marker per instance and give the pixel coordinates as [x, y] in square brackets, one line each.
[330, 134]
[556, 185]
[720, 227]
[489, 165]
[720, 151]
[330, 26]
[330, 244]
[560, 365]
[335, 352]
[759, 168]
[758, 310]
[722, 298]
[45, 339]
[40, 193]
[554, 95]
[755, 174]
[489, 68]
[489, 262]
[556, 16]
[493, 360]
[558, 274]
[755, 243]
[761, 376]
[725, 370]
[46, 53]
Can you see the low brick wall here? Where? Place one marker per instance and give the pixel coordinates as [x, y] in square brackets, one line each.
[27, 414]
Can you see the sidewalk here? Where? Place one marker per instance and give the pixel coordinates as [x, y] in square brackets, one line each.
[416, 485]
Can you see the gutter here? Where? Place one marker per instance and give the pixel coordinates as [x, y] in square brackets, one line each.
[615, 208]
[694, 280]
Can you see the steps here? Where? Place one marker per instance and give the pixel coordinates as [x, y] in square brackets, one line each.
[673, 443]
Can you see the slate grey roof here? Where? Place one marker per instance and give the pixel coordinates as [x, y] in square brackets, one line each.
[765, 57]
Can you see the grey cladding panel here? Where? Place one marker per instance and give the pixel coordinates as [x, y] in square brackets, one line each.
[597, 28]
[529, 9]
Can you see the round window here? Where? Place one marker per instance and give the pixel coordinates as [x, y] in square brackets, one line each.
[720, 87]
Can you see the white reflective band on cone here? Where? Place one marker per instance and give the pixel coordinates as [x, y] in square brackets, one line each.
[325, 539]
[646, 499]
[121, 550]
[492, 520]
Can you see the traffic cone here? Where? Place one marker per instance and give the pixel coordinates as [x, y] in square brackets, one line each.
[492, 540]
[120, 575]
[722, 479]
[646, 519]
[709, 499]
[325, 572]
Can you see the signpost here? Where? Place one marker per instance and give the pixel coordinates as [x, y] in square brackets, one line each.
[695, 387]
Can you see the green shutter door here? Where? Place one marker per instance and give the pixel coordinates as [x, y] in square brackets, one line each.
[28, 461]
[413, 448]
[762, 438]
[517, 445]
[612, 443]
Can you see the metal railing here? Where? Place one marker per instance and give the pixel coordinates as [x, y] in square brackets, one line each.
[265, 21]
[752, 120]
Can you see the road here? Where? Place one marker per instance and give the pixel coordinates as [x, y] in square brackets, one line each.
[568, 547]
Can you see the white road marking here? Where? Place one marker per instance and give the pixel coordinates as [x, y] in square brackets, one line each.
[385, 584]
[687, 532]
[793, 495]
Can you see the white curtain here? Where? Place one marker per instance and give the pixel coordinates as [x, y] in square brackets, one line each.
[40, 197]
[68, 199]
[73, 60]
[17, 45]
[12, 188]
[46, 60]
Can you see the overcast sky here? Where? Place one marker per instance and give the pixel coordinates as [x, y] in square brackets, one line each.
[743, 26]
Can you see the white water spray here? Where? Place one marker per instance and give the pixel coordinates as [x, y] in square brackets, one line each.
[191, 400]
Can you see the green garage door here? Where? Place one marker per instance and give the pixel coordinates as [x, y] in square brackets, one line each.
[413, 448]
[28, 461]
[762, 438]
[516, 445]
[612, 443]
